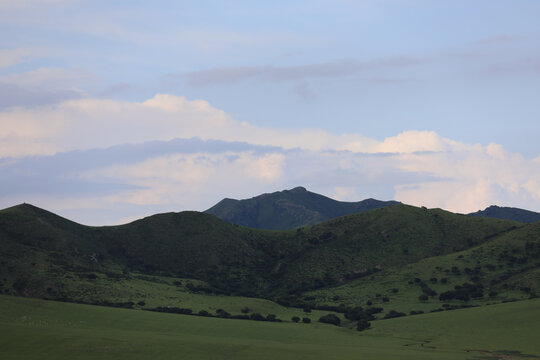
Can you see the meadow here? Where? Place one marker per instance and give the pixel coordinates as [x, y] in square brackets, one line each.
[40, 329]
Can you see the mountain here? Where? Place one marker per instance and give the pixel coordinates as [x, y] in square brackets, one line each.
[39, 248]
[288, 209]
[509, 213]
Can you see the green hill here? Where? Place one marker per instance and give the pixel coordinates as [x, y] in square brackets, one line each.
[288, 209]
[509, 213]
[39, 248]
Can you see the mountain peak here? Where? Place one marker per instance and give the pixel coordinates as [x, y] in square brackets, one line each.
[288, 209]
[509, 213]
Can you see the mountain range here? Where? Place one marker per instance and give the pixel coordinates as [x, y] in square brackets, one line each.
[392, 252]
[299, 207]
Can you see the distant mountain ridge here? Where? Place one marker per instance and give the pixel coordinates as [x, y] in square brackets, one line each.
[508, 213]
[289, 209]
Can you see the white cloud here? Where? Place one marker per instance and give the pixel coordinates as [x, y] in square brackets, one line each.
[415, 167]
[186, 177]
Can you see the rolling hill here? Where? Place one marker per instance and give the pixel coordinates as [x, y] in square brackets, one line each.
[40, 250]
[288, 209]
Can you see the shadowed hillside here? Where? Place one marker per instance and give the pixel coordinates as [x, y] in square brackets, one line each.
[38, 247]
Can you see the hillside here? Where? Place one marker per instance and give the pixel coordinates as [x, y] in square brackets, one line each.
[288, 209]
[39, 249]
[509, 213]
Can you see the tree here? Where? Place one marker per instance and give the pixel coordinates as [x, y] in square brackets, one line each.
[363, 325]
[330, 319]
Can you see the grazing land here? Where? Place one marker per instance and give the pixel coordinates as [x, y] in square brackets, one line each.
[38, 329]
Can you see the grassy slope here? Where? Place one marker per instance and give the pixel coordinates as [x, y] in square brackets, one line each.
[507, 265]
[288, 209]
[388, 237]
[36, 329]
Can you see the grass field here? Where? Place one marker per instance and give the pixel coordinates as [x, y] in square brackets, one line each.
[38, 329]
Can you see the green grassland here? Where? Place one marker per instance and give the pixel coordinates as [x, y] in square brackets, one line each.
[38, 329]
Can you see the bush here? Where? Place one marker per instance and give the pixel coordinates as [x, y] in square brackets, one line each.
[394, 314]
[363, 325]
[271, 317]
[330, 319]
[245, 310]
[306, 320]
[295, 319]
[257, 317]
[240, 317]
[222, 313]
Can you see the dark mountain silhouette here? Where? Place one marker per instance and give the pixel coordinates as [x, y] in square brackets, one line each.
[288, 209]
[510, 213]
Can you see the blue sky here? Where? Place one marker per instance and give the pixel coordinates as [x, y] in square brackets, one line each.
[429, 102]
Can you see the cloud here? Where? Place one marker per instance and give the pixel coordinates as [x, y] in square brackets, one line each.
[102, 153]
[229, 75]
[44, 86]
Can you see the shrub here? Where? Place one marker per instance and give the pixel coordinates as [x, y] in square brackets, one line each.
[373, 310]
[240, 317]
[306, 320]
[394, 314]
[204, 313]
[295, 319]
[363, 325]
[257, 317]
[222, 313]
[245, 310]
[330, 319]
[271, 317]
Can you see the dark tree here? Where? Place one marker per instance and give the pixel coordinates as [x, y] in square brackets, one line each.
[330, 319]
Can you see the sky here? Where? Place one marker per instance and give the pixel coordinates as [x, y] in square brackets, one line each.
[112, 111]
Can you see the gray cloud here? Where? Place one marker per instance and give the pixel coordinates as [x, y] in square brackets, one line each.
[229, 75]
[14, 95]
